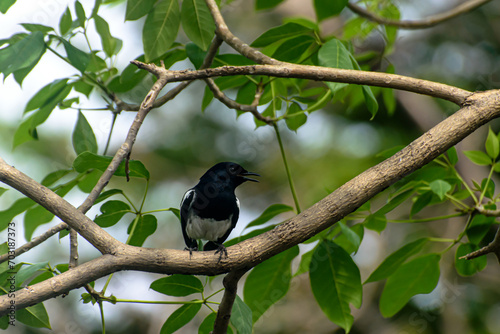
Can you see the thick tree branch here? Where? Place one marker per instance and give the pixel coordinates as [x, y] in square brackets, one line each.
[318, 73]
[479, 109]
[226, 305]
[76, 219]
[431, 21]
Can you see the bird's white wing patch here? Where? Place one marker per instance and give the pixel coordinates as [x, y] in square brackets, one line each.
[187, 194]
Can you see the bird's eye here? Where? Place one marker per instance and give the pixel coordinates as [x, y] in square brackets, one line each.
[232, 169]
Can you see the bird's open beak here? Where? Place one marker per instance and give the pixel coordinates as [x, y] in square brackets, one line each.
[245, 174]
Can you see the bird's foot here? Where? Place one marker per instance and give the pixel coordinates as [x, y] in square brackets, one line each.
[191, 249]
[222, 251]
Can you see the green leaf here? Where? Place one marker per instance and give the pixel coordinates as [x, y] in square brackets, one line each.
[396, 259]
[15, 209]
[138, 8]
[145, 227]
[97, 5]
[305, 262]
[80, 14]
[418, 276]
[83, 136]
[335, 282]
[422, 201]
[376, 222]
[351, 236]
[478, 157]
[180, 317]
[294, 50]
[34, 316]
[452, 155]
[83, 87]
[327, 8]
[37, 27]
[177, 285]
[334, 54]
[241, 316]
[5, 5]
[268, 282]
[2, 190]
[195, 54]
[269, 213]
[395, 201]
[79, 59]
[492, 145]
[440, 188]
[23, 54]
[478, 228]
[107, 194]
[197, 22]
[27, 130]
[47, 95]
[130, 78]
[111, 213]
[89, 180]
[207, 325]
[371, 101]
[87, 160]
[295, 117]
[35, 217]
[266, 4]
[110, 44]
[280, 33]
[469, 267]
[27, 272]
[160, 28]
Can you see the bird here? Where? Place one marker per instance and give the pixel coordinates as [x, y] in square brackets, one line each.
[210, 210]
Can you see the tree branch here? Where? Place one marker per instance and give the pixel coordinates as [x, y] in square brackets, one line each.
[36, 241]
[227, 36]
[252, 108]
[479, 109]
[492, 247]
[76, 219]
[419, 24]
[318, 73]
[226, 305]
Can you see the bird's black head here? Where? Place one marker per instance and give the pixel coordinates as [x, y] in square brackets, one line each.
[227, 174]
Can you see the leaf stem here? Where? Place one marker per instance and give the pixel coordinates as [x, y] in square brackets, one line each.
[425, 220]
[288, 173]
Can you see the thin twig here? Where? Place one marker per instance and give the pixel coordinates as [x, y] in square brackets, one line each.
[492, 247]
[36, 241]
[252, 108]
[419, 24]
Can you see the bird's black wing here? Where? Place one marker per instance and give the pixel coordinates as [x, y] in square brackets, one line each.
[234, 220]
[185, 205]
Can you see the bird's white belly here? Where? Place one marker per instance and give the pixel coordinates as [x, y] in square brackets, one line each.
[207, 228]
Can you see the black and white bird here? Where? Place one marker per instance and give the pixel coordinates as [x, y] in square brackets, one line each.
[210, 210]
